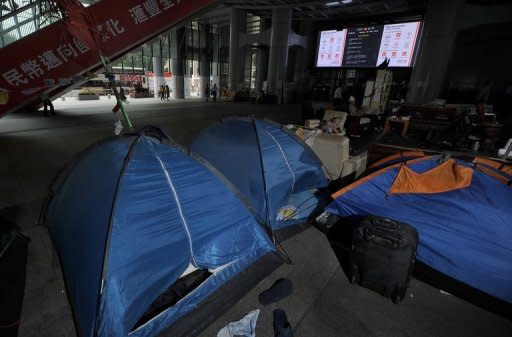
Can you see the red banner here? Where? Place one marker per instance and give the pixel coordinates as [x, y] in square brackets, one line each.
[51, 59]
[131, 78]
[152, 74]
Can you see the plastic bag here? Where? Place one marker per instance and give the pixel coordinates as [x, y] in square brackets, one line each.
[118, 127]
[244, 327]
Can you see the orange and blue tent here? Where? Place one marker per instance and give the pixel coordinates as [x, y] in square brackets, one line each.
[461, 210]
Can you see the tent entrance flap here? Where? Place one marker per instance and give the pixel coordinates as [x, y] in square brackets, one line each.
[172, 295]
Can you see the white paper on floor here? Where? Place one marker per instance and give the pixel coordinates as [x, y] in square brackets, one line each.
[244, 327]
[118, 127]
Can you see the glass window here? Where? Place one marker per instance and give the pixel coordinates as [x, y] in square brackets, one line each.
[166, 54]
[27, 29]
[19, 3]
[253, 24]
[11, 36]
[156, 48]
[8, 23]
[25, 15]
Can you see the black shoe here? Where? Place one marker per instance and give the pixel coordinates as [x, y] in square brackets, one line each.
[282, 327]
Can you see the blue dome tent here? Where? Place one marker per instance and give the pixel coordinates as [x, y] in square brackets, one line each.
[276, 172]
[151, 239]
[462, 212]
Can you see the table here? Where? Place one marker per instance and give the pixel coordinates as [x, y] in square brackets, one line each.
[404, 122]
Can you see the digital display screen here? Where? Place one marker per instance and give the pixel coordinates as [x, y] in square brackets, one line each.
[397, 44]
[362, 46]
[369, 46]
[330, 48]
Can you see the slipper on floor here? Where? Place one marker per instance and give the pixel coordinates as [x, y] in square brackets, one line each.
[282, 327]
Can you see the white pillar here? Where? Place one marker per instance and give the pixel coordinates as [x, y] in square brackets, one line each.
[261, 67]
[178, 81]
[158, 73]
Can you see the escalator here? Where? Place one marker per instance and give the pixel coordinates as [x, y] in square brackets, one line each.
[57, 57]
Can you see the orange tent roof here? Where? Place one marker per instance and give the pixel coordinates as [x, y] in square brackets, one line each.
[446, 177]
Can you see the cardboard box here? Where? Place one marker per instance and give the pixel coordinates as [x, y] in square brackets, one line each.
[312, 123]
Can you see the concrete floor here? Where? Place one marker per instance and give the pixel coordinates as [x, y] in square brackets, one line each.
[323, 303]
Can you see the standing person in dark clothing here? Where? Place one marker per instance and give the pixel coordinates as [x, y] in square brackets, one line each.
[161, 92]
[167, 92]
[337, 96]
[214, 92]
[122, 94]
[47, 104]
[402, 92]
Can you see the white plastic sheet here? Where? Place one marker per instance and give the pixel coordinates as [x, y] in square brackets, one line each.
[118, 127]
[244, 327]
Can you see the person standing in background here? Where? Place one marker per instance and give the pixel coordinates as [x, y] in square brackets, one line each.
[482, 97]
[352, 107]
[214, 92]
[47, 103]
[161, 92]
[337, 98]
[167, 92]
[122, 94]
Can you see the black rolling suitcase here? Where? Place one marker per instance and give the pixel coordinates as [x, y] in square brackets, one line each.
[383, 255]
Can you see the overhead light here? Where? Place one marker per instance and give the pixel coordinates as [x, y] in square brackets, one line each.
[346, 2]
[332, 4]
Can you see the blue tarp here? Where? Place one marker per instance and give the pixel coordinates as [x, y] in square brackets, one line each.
[464, 233]
[127, 230]
[273, 169]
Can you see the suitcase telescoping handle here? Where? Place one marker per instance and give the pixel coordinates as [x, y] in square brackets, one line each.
[382, 238]
[390, 226]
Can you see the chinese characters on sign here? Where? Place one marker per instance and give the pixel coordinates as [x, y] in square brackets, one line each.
[110, 28]
[36, 67]
[149, 8]
[52, 59]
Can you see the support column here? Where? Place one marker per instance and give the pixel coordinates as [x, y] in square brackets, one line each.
[435, 51]
[205, 45]
[278, 55]
[158, 73]
[261, 68]
[305, 56]
[238, 23]
[215, 59]
[177, 60]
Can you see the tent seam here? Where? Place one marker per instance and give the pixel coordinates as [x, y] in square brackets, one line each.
[180, 210]
[285, 159]
[229, 185]
[106, 260]
[263, 175]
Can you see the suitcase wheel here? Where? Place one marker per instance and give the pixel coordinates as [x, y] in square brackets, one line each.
[398, 298]
[353, 279]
